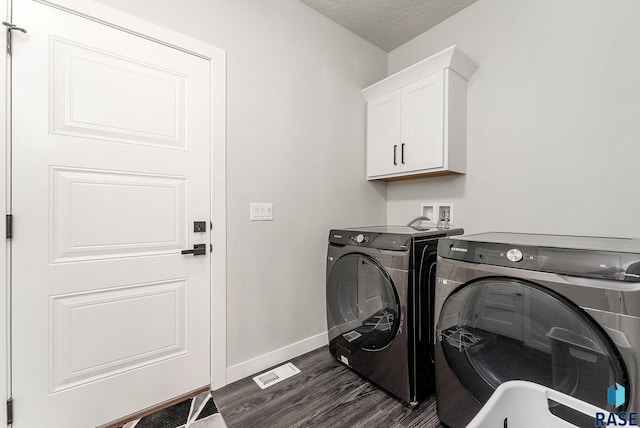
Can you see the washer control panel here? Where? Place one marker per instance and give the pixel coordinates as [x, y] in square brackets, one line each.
[382, 241]
[359, 238]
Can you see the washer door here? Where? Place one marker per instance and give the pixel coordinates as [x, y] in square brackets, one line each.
[362, 304]
[500, 329]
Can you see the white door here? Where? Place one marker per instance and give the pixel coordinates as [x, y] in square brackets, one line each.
[111, 167]
[383, 135]
[423, 123]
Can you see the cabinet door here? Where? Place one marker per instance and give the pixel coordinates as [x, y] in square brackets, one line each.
[383, 135]
[422, 139]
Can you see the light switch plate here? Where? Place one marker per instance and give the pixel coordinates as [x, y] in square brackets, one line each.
[259, 211]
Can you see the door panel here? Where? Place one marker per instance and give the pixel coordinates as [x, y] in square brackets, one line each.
[150, 217]
[111, 166]
[383, 135]
[81, 355]
[97, 94]
[423, 122]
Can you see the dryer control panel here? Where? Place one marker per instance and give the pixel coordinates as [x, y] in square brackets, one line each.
[620, 266]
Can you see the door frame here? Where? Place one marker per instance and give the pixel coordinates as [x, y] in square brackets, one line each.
[217, 59]
[5, 307]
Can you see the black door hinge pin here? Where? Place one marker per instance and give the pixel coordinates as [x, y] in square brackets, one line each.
[9, 411]
[9, 226]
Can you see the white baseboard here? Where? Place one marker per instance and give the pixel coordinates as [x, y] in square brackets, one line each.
[273, 358]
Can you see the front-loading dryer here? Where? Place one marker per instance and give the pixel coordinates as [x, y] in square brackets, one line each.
[380, 284]
[560, 311]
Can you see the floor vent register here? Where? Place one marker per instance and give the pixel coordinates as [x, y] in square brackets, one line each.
[276, 375]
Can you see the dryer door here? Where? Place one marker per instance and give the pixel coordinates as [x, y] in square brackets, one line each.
[499, 329]
[362, 303]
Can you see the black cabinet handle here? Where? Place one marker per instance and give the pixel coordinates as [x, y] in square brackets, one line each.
[395, 149]
[402, 153]
[198, 250]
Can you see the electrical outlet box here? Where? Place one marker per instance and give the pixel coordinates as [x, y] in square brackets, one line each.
[430, 211]
[261, 211]
[439, 213]
[445, 213]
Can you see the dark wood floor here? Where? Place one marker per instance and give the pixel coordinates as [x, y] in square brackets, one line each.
[324, 394]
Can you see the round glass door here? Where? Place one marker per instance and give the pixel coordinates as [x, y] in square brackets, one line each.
[499, 329]
[362, 305]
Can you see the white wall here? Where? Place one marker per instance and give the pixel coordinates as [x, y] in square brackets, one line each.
[296, 138]
[553, 118]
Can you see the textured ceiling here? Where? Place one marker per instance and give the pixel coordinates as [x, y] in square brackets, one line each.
[388, 23]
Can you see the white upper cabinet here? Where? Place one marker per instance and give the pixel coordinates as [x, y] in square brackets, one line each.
[383, 134]
[416, 119]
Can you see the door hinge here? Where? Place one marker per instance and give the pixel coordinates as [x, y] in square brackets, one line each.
[9, 411]
[9, 226]
[10, 28]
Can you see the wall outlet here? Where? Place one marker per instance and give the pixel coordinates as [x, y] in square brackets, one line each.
[261, 211]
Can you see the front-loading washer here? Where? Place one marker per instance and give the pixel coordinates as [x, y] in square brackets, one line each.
[380, 284]
[560, 311]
